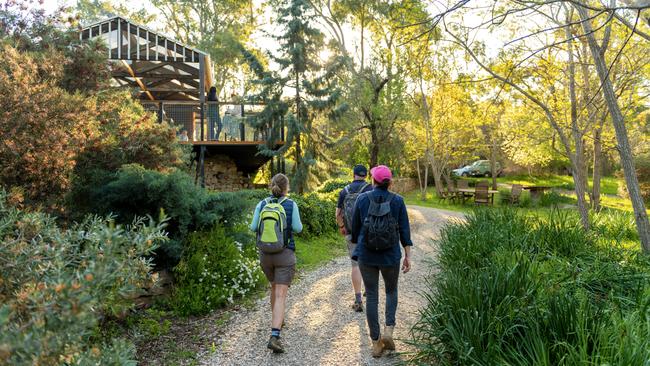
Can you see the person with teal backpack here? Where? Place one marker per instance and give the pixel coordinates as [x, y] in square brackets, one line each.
[275, 220]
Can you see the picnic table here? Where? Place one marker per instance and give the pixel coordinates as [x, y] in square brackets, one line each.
[536, 191]
[469, 192]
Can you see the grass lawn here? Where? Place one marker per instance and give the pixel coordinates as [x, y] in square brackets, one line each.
[312, 252]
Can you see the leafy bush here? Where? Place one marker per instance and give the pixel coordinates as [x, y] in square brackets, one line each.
[33, 105]
[526, 291]
[215, 269]
[56, 285]
[135, 191]
[333, 185]
[316, 213]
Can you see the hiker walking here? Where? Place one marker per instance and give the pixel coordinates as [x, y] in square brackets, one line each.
[344, 211]
[379, 223]
[275, 220]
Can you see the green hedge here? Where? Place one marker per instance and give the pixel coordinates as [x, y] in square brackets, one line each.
[515, 290]
[317, 213]
[134, 191]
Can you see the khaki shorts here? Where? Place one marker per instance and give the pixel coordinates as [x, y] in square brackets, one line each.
[351, 248]
[279, 268]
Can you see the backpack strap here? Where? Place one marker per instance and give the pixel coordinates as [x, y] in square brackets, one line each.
[347, 189]
[282, 199]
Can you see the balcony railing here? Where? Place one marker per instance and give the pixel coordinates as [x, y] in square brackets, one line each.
[212, 122]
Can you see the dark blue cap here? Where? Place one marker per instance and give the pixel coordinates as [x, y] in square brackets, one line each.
[360, 170]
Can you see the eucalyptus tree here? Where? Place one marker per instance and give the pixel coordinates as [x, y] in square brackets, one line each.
[218, 27]
[369, 34]
[592, 19]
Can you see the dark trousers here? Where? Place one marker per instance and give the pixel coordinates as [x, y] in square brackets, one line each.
[370, 275]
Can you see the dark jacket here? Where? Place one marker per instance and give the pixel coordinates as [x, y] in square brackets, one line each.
[354, 187]
[390, 257]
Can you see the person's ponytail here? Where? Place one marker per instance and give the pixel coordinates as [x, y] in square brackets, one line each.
[279, 185]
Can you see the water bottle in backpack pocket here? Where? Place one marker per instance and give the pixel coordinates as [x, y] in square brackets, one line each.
[381, 228]
[271, 228]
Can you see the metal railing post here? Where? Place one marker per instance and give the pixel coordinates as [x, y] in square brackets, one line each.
[160, 112]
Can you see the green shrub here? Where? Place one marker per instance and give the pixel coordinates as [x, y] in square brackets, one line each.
[529, 291]
[333, 185]
[57, 284]
[215, 270]
[135, 191]
[317, 213]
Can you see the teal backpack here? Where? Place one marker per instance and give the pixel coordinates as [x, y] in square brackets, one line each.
[270, 229]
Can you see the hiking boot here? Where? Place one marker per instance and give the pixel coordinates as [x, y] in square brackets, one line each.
[377, 348]
[387, 338]
[358, 307]
[275, 345]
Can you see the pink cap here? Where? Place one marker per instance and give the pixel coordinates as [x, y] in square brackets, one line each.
[381, 173]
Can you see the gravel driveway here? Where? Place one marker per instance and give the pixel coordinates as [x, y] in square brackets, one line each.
[321, 328]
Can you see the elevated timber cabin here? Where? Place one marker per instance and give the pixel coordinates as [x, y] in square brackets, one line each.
[172, 81]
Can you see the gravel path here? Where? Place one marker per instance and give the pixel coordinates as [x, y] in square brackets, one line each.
[321, 328]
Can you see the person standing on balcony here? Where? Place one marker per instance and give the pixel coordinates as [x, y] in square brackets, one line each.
[232, 118]
[213, 115]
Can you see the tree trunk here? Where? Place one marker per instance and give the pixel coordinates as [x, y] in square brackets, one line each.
[597, 129]
[374, 145]
[597, 170]
[624, 149]
[579, 180]
[493, 164]
[299, 182]
[423, 184]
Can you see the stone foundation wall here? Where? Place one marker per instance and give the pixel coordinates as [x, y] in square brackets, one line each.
[221, 174]
[403, 185]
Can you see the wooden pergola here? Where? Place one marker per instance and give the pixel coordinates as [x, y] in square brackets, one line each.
[160, 67]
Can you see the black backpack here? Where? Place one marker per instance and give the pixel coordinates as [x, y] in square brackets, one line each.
[381, 228]
[348, 205]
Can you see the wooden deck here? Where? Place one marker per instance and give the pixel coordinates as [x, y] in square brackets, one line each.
[228, 143]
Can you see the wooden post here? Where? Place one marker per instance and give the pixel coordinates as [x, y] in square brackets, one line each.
[190, 131]
[160, 112]
[201, 165]
[119, 39]
[202, 92]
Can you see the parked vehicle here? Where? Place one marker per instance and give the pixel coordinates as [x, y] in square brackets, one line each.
[480, 168]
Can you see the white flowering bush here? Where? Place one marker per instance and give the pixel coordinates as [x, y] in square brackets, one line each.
[215, 269]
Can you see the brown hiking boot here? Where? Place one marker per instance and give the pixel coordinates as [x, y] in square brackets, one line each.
[275, 345]
[358, 307]
[377, 348]
[387, 338]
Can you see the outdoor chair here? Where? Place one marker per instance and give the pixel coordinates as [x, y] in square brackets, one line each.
[462, 184]
[515, 193]
[450, 193]
[481, 194]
